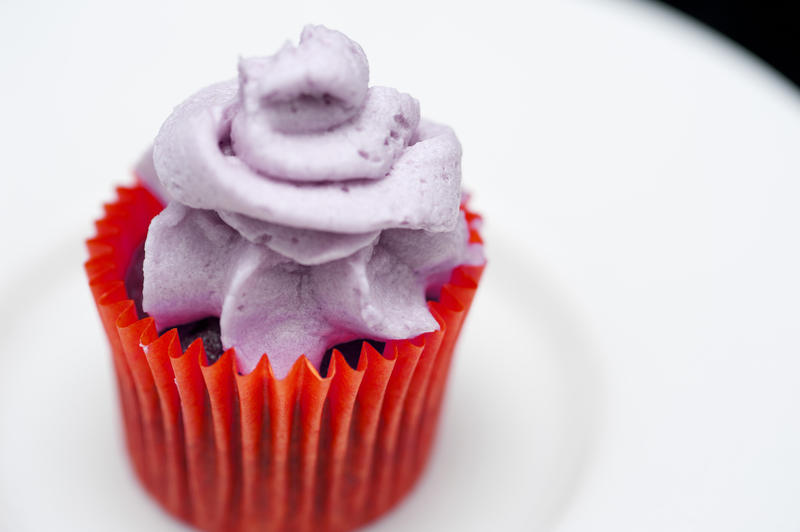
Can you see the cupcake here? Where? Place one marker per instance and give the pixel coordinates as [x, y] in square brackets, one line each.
[282, 290]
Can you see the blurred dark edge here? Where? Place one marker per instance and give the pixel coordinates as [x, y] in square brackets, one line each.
[769, 29]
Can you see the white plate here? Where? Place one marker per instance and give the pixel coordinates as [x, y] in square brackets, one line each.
[632, 359]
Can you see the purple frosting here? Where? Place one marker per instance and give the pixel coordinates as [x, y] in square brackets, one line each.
[306, 209]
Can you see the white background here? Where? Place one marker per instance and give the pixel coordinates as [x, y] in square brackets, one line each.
[632, 359]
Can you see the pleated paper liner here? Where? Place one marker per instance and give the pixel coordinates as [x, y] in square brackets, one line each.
[227, 451]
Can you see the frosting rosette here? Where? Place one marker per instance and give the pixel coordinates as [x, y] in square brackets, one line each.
[305, 208]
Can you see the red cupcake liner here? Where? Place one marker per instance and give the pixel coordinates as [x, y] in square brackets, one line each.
[233, 452]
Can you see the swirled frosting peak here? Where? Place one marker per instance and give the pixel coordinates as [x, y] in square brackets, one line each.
[313, 87]
[307, 113]
[305, 207]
